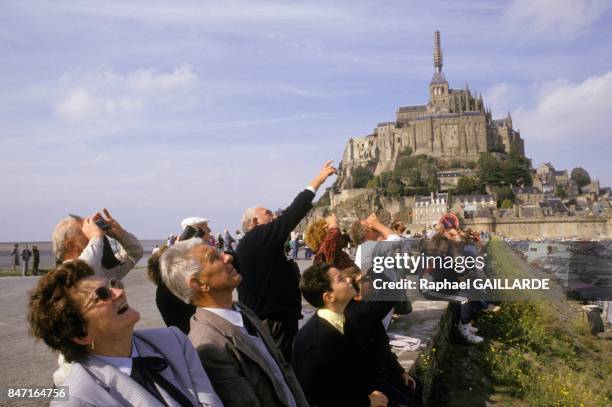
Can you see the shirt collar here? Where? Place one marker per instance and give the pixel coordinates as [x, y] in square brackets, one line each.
[123, 364]
[233, 316]
[334, 318]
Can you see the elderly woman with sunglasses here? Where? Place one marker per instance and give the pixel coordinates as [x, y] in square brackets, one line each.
[89, 320]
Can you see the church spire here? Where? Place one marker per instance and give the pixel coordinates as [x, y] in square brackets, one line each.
[437, 52]
[438, 76]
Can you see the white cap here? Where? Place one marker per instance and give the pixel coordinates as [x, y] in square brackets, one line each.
[193, 221]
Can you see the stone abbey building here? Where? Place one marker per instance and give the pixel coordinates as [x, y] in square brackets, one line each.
[453, 125]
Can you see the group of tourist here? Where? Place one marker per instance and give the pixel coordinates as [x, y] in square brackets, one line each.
[25, 255]
[216, 351]
[223, 242]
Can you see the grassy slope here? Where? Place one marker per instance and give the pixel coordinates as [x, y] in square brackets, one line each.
[535, 354]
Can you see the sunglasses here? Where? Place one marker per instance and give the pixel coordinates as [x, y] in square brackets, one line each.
[103, 293]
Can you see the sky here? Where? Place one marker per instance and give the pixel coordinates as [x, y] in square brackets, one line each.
[160, 110]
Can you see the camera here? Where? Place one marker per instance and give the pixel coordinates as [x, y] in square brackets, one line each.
[102, 224]
[191, 232]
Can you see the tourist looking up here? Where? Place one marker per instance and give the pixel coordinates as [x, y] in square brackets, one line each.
[378, 366]
[93, 327]
[323, 358]
[329, 247]
[366, 234]
[399, 228]
[236, 350]
[174, 311]
[83, 238]
[269, 280]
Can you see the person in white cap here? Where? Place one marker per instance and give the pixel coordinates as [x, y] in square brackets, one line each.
[195, 227]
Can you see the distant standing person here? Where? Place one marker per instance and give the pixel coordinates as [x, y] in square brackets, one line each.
[25, 256]
[220, 243]
[35, 259]
[15, 256]
[270, 280]
[171, 240]
[294, 243]
[229, 241]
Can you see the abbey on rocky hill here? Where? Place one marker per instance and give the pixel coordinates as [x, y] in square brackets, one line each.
[453, 125]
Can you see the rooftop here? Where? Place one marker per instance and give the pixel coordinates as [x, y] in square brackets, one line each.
[438, 78]
[486, 197]
[412, 108]
[526, 190]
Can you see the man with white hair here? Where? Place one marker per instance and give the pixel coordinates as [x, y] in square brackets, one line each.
[175, 311]
[269, 280]
[83, 238]
[236, 350]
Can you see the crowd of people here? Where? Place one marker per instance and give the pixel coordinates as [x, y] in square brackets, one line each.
[215, 351]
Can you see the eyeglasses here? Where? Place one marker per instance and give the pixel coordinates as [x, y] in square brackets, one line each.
[103, 293]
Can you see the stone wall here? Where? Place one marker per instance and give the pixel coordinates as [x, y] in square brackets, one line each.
[356, 203]
[546, 227]
[348, 194]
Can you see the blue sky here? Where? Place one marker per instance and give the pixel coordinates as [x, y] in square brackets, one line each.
[161, 110]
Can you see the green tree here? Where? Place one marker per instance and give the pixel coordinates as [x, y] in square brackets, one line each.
[503, 192]
[517, 168]
[513, 171]
[581, 176]
[560, 193]
[395, 188]
[374, 182]
[506, 204]
[468, 186]
[489, 169]
[360, 176]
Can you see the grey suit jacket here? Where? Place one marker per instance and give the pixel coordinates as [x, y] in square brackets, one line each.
[95, 383]
[238, 372]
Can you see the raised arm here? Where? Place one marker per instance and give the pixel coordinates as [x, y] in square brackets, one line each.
[279, 229]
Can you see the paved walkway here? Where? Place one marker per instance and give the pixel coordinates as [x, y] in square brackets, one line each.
[26, 362]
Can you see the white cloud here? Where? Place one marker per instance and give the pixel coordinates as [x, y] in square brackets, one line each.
[107, 97]
[148, 80]
[565, 110]
[81, 104]
[556, 16]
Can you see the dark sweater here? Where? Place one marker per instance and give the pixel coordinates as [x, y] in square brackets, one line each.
[270, 281]
[326, 366]
[368, 338]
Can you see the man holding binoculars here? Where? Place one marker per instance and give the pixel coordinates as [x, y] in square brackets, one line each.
[86, 239]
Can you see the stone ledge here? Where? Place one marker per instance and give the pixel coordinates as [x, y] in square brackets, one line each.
[431, 322]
